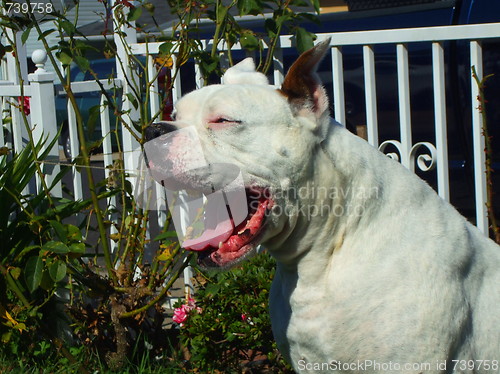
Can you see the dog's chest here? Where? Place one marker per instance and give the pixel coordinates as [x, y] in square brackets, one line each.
[305, 335]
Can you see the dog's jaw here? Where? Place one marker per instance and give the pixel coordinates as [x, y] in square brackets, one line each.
[242, 241]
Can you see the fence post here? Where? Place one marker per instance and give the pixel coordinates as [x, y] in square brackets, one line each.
[478, 141]
[43, 118]
[125, 35]
[18, 77]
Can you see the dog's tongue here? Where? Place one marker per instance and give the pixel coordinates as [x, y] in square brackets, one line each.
[225, 237]
[211, 237]
[246, 231]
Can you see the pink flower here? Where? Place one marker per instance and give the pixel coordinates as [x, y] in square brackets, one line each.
[191, 304]
[181, 314]
[24, 102]
[247, 319]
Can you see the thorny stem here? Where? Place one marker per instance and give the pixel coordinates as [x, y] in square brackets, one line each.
[218, 27]
[166, 266]
[274, 41]
[162, 293]
[488, 150]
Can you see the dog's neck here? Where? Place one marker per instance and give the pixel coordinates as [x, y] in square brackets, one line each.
[341, 199]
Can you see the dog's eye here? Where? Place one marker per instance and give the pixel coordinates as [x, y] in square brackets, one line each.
[225, 120]
[221, 122]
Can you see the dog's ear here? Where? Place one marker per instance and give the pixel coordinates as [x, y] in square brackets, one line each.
[244, 73]
[302, 85]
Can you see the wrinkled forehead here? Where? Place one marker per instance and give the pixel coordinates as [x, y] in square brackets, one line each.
[229, 100]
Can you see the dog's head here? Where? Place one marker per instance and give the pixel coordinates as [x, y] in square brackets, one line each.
[248, 128]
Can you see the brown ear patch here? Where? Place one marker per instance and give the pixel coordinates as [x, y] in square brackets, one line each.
[302, 85]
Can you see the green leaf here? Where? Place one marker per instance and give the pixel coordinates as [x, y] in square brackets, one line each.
[253, 7]
[59, 229]
[249, 41]
[25, 35]
[305, 39]
[83, 46]
[74, 232]
[78, 248]
[165, 49]
[68, 27]
[133, 100]
[57, 270]
[47, 283]
[183, 54]
[207, 63]
[221, 13]
[56, 247]
[283, 17]
[46, 33]
[82, 63]
[271, 27]
[26, 250]
[213, 289]
[65, 57]
[134, 14]
[15, 273]
[6, 336]
[3, 50]
[316, 5]
[33, 272]
[166, 235]
[94, 113]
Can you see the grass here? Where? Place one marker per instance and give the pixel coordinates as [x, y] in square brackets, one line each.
[45, 359]
[55, 366]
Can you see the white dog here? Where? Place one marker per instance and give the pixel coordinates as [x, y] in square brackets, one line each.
[375, 272]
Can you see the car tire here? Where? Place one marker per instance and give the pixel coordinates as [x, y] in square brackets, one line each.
[66, 144]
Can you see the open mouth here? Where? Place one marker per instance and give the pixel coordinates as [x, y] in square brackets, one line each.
[241, 241]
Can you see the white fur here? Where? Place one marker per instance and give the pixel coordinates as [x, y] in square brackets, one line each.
[407, 281]
[244, 73]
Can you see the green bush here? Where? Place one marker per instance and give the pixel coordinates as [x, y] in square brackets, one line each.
[68, 299]
[232, 332]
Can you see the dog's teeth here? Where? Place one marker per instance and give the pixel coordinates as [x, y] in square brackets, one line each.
[220, 244]
[243, 231]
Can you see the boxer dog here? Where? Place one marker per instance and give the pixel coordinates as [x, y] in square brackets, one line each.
[375, 272]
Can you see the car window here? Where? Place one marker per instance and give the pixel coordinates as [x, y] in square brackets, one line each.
[364, 8]
[104, 69]
[77, 75]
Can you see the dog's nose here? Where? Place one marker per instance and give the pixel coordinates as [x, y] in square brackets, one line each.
[157, 129]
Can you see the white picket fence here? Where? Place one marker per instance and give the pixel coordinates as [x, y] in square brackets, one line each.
[435, 155]
[40, 88]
